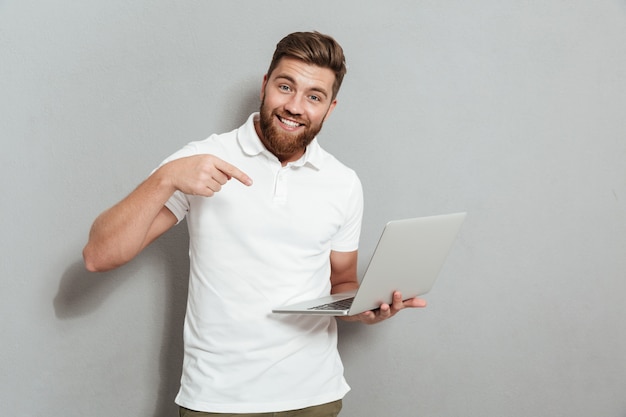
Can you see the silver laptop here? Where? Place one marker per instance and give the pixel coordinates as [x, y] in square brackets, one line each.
[409, 255]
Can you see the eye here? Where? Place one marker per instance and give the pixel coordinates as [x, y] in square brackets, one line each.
[284, 87]
[315, 98]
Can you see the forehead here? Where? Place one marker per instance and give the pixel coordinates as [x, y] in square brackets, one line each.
[303, 74]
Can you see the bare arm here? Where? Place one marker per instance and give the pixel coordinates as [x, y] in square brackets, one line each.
[343, 268]
[124, 230]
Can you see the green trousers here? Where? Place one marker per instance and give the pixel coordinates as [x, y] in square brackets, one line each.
[324, 410]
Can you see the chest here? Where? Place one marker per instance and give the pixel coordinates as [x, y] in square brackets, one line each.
[292, 206]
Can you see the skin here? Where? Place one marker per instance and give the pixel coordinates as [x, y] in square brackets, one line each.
[296, 100]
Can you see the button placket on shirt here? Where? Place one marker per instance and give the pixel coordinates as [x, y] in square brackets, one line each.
[281, 185]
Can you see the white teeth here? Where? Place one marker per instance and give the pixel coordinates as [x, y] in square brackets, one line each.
[289, 122]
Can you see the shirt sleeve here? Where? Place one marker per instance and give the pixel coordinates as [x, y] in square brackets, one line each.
[347, 237]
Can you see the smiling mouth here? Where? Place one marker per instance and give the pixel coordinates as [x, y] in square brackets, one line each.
[289, 123]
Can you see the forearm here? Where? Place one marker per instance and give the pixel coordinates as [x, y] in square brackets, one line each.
[344, 287]
[343, 277]
[122, 231]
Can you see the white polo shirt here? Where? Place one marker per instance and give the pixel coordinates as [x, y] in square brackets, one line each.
[254, 248]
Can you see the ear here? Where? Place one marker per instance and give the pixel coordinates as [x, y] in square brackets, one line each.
[330, 109]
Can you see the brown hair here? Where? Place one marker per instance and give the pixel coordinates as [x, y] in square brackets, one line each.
[313, 48]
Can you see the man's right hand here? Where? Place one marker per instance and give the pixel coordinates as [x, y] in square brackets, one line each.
[202, 175]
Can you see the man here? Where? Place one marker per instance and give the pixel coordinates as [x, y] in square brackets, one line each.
[290, 235]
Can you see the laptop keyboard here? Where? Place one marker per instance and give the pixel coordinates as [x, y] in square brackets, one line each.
[335, 305]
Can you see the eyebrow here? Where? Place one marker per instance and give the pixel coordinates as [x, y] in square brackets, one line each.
[289, 78]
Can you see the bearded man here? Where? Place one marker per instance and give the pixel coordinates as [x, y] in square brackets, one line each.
[290, 235]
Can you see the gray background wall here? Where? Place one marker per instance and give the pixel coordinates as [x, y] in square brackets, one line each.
[511, 110]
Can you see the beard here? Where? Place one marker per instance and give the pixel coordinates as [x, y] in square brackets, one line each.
[281, 143]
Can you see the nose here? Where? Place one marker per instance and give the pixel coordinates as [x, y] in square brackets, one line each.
[294, 104]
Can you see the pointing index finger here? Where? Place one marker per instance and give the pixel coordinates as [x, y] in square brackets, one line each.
[233, 172]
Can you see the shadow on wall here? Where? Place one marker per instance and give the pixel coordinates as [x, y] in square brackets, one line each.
[80, 294]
